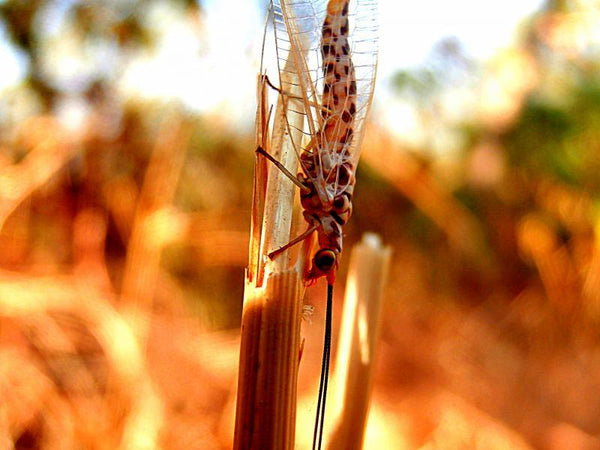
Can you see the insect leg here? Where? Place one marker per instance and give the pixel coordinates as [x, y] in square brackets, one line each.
[281, 167]
[293, 242]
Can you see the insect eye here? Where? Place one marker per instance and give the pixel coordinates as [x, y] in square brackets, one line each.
[325, 259]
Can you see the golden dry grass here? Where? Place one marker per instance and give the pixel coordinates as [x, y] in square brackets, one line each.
[122, 265]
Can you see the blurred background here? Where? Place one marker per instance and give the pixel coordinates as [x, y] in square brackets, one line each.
[126, 161]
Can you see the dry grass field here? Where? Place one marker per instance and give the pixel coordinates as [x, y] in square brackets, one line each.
[123, 243]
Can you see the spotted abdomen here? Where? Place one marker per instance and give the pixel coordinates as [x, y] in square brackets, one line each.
[339, 86]
[329, 168]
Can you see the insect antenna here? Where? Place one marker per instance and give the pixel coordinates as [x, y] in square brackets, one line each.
[320, 419]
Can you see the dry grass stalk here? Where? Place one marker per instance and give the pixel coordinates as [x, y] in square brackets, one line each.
[408, 175]
[31, 301]
[50, 152]
[270, 342]
[269, 357]
[155, 198]
[357, 345]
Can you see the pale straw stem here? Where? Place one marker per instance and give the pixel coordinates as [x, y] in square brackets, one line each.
[270, 341]
[357, 344]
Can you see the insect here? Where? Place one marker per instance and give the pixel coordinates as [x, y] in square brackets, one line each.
[332, 47]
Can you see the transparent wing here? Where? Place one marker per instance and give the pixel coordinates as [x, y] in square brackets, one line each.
[363, 50]
[298, 26]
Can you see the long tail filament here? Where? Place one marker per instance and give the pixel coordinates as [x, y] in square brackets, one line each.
[320, 419]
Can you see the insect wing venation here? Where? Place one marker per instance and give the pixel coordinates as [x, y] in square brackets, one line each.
[298, 25]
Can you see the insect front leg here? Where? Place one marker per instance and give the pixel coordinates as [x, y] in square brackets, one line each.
[294, 241]
[284, 170]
